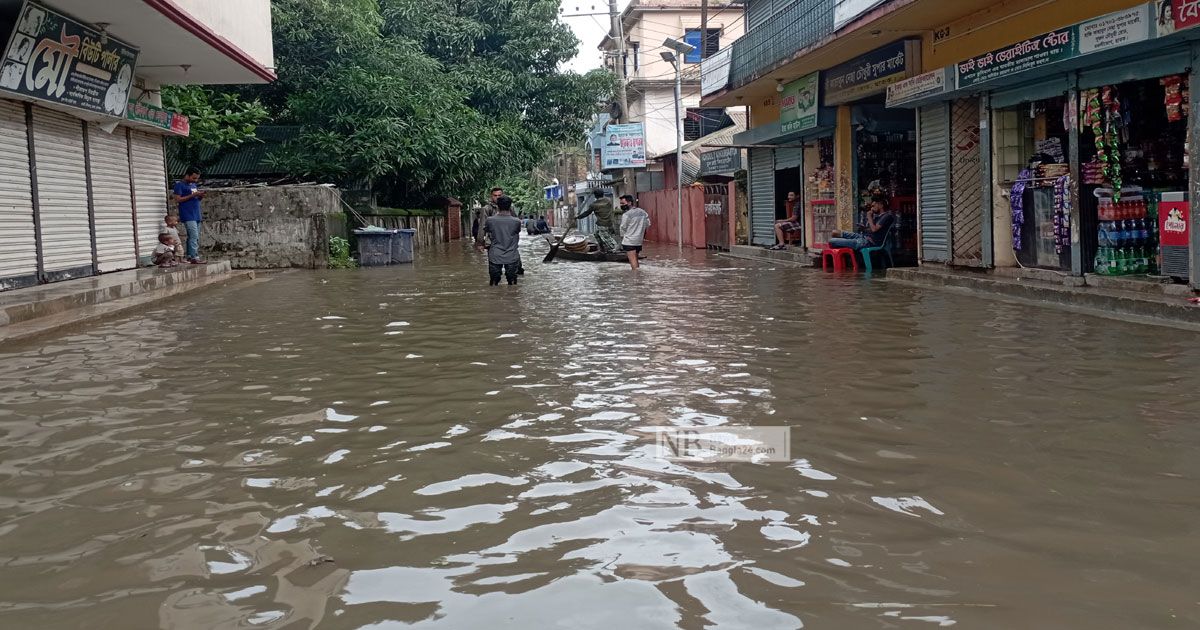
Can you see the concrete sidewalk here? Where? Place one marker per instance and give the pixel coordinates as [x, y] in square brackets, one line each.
[1142, 298]
[47, 308]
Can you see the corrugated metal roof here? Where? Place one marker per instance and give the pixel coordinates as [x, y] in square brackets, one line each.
[249, 160]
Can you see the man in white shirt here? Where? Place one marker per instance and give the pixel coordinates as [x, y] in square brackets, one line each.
[634, 223]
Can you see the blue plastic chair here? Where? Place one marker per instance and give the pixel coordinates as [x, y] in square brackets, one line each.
[889, 243]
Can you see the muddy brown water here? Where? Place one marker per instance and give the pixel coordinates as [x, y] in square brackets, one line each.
[404, 447]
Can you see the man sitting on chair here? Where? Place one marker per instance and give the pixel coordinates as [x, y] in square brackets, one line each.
[789, 228]
[879, 222]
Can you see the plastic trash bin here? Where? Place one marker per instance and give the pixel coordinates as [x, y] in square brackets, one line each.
[402, 246]
[375, 247]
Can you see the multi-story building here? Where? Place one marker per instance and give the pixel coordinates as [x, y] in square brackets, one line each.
[83, 182]
[650, 83]
[1039, 133]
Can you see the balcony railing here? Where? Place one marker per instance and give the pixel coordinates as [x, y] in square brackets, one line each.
[796, 25]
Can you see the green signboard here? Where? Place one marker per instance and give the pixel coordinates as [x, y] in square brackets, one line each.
[1032, 53]
[798, 107]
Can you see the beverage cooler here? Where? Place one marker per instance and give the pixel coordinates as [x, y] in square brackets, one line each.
[1173, 230]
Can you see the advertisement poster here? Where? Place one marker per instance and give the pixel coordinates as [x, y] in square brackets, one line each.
[54, 58]
[625, 146]
[1032, 53]
[1176, 15]
[868, 75]
[799, 104]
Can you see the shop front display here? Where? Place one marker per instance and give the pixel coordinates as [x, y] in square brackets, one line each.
[819, 191]
[1033, 140]
[886, 168]
[1133, 150]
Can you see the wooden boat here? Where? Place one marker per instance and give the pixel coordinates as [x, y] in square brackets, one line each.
[578, 247]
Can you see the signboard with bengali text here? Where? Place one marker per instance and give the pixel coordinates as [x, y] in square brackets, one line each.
[52, 58]
[869, 74]
[920, 86]
[1032, 53]
[158, 118]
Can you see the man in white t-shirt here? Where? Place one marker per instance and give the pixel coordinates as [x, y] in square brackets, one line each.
[634, 223]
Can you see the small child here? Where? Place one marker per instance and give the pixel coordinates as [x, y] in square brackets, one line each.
[164, 252]
[170, 225]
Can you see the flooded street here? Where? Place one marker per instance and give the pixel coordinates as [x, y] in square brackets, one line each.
[402, 447]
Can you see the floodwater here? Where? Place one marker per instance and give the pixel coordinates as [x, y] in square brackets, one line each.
[404, 447]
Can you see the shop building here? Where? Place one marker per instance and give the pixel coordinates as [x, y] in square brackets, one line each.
[83, 182]
[1084, 132]
[1079, 111]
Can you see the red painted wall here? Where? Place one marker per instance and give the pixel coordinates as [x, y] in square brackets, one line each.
[664, 217]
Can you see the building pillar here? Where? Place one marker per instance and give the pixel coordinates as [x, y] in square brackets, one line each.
[453, 230]
[843, 169]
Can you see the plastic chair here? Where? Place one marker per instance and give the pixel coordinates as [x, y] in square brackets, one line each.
[889, 242]
[837, 257]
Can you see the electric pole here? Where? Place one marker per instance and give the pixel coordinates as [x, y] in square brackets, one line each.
[703, 30]
[617, 33]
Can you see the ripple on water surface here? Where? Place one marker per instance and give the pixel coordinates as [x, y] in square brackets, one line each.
[396, 447]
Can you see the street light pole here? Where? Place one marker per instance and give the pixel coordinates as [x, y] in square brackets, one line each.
[680, 48]
[679, 150]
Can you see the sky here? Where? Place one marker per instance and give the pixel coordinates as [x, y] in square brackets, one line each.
[590, 29]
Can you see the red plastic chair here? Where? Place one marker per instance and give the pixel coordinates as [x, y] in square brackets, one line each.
[837, 256]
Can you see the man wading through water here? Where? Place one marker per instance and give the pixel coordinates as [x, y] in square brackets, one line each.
[503, 231]
[606, 233]
[481, 216]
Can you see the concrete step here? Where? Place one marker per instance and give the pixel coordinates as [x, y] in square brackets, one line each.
[34, 311]
[1103, 300]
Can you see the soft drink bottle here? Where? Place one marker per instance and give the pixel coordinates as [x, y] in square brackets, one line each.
[1122, 266]
[1104, 261]
[1144, 231]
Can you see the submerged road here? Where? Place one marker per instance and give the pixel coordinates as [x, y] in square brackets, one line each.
[401, 447]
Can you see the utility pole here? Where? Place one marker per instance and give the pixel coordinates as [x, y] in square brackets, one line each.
[617, 33]
[703, 30]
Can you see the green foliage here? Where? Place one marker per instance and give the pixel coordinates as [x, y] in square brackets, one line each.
[339, 254]
[220, 122]
[425, 97]
[527, 197]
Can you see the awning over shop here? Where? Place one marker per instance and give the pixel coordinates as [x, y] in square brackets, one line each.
[177, 42]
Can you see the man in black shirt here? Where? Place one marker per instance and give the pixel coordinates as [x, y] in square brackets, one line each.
[879, 222]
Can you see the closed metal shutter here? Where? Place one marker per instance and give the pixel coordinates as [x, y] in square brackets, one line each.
[18, 245]
[149, 187]
[62, 194]
[934, 150]
[788, 158]
[762, 196]
[112, 199]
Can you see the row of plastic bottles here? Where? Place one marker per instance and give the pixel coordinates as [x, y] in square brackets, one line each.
[1128, 233]
[1124, 261]
[1122, 210]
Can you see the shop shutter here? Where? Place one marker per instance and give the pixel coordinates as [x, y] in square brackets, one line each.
[788, 158]
[757, 12]
[1029, 92]
[112, 199]
[1161, 65]
[18, 246]
[934, 150]
[62, 194]
[966, 184]
[149, 187]
[762, 196]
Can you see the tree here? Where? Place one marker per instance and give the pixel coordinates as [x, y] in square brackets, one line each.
[425, 98]
[220, 122]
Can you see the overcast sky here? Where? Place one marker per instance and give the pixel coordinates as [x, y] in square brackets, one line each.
[590, 29]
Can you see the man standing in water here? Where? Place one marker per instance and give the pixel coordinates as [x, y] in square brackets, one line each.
[634, 223]
[489, 210]
[606, 222]
[503, 231]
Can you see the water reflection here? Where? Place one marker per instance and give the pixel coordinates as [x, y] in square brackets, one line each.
[405, 447]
